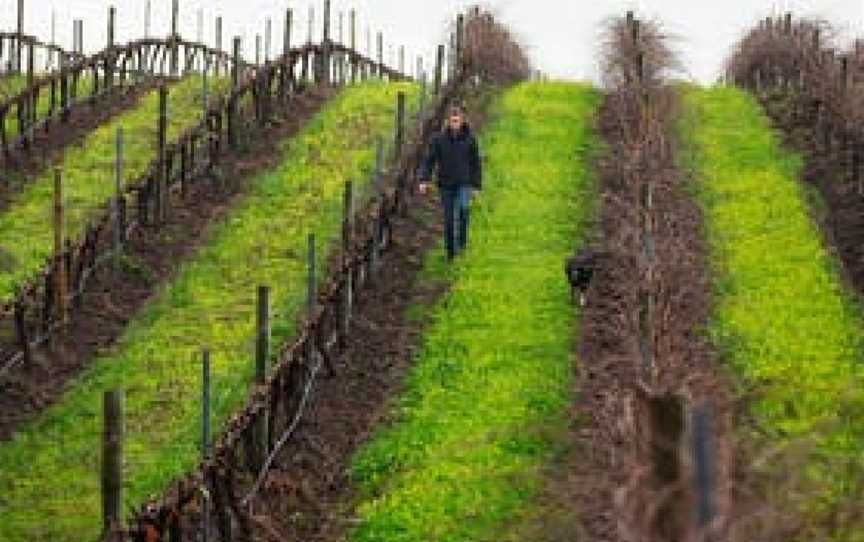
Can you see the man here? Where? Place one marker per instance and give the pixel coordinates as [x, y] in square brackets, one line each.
[455, 153]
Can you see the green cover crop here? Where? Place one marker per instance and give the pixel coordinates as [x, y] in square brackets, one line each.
[49, 484]
[782, 318]
[26, 235]
[493, 378]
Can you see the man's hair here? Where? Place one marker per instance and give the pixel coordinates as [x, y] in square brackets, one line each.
[456, 110]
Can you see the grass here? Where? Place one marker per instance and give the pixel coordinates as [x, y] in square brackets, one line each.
[26, 235]
[11, 85]
[51, 466]
[493, 378]
[782, 315]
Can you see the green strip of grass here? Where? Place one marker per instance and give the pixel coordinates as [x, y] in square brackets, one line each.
[494, 375]
[11, 85]
[49, 481]
[26, 235]
[782, 316]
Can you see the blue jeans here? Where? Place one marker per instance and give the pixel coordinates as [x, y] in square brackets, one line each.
[456, 201]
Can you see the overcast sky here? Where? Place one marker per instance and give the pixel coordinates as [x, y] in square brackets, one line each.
[561, 35]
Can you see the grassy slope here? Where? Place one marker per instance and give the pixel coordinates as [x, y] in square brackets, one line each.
[50, 470]
[782, 316]
[25, 227]
[494, 374]
[11, 85]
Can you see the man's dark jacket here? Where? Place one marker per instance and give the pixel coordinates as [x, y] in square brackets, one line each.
[457, 157]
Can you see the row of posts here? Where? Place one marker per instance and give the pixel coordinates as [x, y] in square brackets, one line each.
[456, 42]
[113, 433]
[666, 433]
[62, 248]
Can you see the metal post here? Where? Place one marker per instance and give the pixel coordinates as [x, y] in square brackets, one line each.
[218, 45]
[59, 234]
[205, 436]
[400, 123]
[112, 460]
[162, 175]
[262, 357]
[118, 199]
[311, 24]
[257, 49]
[703, 460]
[402, 59]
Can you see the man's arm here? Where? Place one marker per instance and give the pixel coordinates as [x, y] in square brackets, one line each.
[476, 165]
[428, 163]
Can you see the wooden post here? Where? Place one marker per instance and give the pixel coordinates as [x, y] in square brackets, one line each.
[147, 19]
[18, 47]
[109, 62]
[218, 44]
[60, 275]
[33, 97]
[703, 462]
[53, 38]
[162, 135]
[324, 62]
[112, 461]
[368, 42]
[205, 437]
[286, 40]
[232, 104]
[262, 348]
[268, 38]
[400, 123]
[175, 8]
[378, 187]
[118, 200]
[353, 38]
[341, 60]
[421, 108]
[311, 294]
[257, 49]
[347, 242]
[451, 58]
[460, 42]
[262, 357]
[380, 57]
[439, 65]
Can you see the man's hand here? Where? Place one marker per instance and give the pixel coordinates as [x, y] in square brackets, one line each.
[424, 187]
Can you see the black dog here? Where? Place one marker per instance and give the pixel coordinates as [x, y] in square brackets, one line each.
[580, 270]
